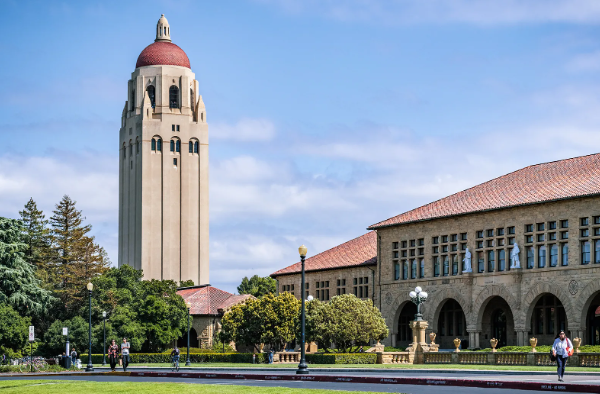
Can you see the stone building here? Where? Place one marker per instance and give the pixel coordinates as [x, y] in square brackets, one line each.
[208, 305]
[163, 166]
[550, 212]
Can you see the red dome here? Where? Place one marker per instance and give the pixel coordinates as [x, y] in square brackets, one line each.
[162, 53]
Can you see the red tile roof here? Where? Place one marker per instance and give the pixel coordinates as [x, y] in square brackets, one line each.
[208, 300]
[357, 252]
[557, 180]
[162, 53]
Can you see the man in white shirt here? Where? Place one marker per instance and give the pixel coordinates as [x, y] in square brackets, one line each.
[125, 353]
[561, 350]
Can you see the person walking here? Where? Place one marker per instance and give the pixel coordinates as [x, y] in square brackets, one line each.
[562, 349]
[73, 357]
[125, 353]
[270, 356]
[113, 354]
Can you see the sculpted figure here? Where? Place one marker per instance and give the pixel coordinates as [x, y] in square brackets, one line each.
[514, 257]
[467, 261]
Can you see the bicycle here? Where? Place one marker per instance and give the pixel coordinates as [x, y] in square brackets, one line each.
[175, 364]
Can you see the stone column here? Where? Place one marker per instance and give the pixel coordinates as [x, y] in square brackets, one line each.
[418, 345]
[522, 338]
[473, 338]
[394, 340]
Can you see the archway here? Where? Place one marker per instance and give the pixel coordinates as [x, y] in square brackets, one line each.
[497, 321]
[404, 336]
[182, 341]
[592, 321]
[451, 324]
[548, 317]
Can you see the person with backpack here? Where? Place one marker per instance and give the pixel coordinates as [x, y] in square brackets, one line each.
[562, 349]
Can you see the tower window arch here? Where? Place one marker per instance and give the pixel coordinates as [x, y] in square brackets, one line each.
[137, 146]
[173, 97]
[130, 148]
[159, 145]
[191, 147]
[151, 94]
[192, 102]
[196, 147]
[153, 145]
[177, 146]
[132, 99]
[172, 146]
[124, 151]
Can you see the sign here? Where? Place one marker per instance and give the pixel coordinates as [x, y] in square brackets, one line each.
[31, 334]
[65, 331]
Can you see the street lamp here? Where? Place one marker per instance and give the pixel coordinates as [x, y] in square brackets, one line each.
[187, 362]
[302, 367]
[418, 296]
[90, 367]
[104, 339]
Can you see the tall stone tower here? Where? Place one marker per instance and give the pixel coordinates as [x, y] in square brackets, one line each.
[163, 167]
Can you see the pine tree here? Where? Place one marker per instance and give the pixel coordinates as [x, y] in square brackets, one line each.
[78, 258]
[37, 237]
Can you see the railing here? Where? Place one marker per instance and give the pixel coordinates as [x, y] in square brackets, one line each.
[512, 358]
[289, 357]
[589, 359]
[437, 358]
[397, 358]
[472, 358]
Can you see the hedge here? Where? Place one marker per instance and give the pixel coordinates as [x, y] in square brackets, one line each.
[136, 358]
[341, 358]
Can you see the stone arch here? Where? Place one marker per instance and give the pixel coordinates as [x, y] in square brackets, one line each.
[433, 306]
[583, 301]
[486, 295]
[394, 322]
[534, 294]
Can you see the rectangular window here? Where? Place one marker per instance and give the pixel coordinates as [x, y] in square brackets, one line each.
[540, 237]
[435, 240]
[395, 254]
[396, 270]
[585, 233]
[446, 265]
[501, 260]
[356, 291]
[499, 232]
[366, 280]
[394, 245]
[540, 227]
[480, 234]
[444, 248]
[553, 255]
[551, 225]
[463, 236]
[564, 224]
[318, 294]
[597, 251]
[541, 256]
[463, 246]
[327, 294]
[530, 257]
[490, 233]
[584, 221]
[597, 231]
[490, 243]
[500, 241]
[564, 235]
[404, 253]
[404, 270]
[511, 240]
[444, 239]
[422, 269]
[421, 251]
[480, 262]
[529, 239]
[421, 241]
[318, 284]
[338, 292]
[491, 261]
[552, 236]
[412, 243]
[360, 281]
[564, 254]
[436, 249]
[413, 269]
[528, 228]
[412, 252]
[360, 291]
[172, 127]
[177, 127]
[453, 238]
[454, 264]
[511, 230]
[175, 162]
[479, 244]
[436, 266]
[596, 219]
[404, 244]
[454, 247]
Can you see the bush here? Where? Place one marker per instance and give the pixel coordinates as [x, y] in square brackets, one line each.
[183, 350]
[341, 358]
[394, 349]
[150, 358]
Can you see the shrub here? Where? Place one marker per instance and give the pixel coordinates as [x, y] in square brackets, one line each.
[341, 358]
[394, 349]
[149, 358]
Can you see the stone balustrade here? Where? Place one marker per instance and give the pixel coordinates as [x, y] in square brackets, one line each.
[287, 357]
[437, 358]
[394, 358]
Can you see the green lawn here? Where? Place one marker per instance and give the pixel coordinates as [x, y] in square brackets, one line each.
[62, 387]
[377, 366]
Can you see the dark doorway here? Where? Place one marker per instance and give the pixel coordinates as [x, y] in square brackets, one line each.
[404, 331]
[499, 327]
[182, 341]
[452, 324]
[593, 322]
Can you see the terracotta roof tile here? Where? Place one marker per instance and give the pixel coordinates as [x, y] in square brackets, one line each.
[162, 53]
[359, 251]
[557, 180]
[209, 300]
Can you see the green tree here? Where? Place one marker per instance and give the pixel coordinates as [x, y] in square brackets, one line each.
[257, 286]
[186, 283]
[54, 340]
[346, 321]
[37, 237]
[13, 329]
[19, 286]
[78, 257]
[270, 320]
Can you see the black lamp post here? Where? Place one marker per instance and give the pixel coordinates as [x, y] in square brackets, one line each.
[302, 367]
[187, 362]
[90, 367]
[104, 339]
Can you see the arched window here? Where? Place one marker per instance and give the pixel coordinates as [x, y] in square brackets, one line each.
[159, 145]
[172, 146]
[153, 145]
[124, 151]
[151, 95]
[137, 146]
[177, 146]
[196, 147]
[133, 99]
[191, 147]
[202, 116]
[130, 148]
[173, 97]
[192, 103]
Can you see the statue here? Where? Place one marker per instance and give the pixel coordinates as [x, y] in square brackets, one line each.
[514, 257]
[467, 261]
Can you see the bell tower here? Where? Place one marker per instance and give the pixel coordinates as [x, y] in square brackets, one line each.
[163, 167]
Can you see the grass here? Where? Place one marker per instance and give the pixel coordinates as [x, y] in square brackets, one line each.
[62, 387]
[380, 366]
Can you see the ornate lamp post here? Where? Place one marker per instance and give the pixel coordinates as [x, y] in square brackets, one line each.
[302, 367]
[104, 339]
[90, 367]
[187, 362]
[418, 296]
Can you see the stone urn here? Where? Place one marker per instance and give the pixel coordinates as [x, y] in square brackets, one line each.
[533, 343]
[493, 343]
[456, 345]
[432, 337]
[576, 344]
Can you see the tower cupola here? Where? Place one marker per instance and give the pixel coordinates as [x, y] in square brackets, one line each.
[163, 31]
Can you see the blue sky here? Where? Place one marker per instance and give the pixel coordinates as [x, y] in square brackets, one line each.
[324, 116]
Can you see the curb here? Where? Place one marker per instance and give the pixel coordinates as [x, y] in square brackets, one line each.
[27, 375]
[565, 387]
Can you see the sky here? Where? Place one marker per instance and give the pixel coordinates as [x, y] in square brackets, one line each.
[325, 116]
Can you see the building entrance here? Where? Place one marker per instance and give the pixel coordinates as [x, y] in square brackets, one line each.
[499, 327]
[404, 337]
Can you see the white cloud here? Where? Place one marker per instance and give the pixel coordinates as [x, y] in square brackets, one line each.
[246, 129]
[585, 62]
[479, 12]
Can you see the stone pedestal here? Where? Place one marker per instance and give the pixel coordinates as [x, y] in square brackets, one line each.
[418, 345]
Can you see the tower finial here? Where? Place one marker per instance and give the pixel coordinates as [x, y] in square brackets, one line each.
[163, 31]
